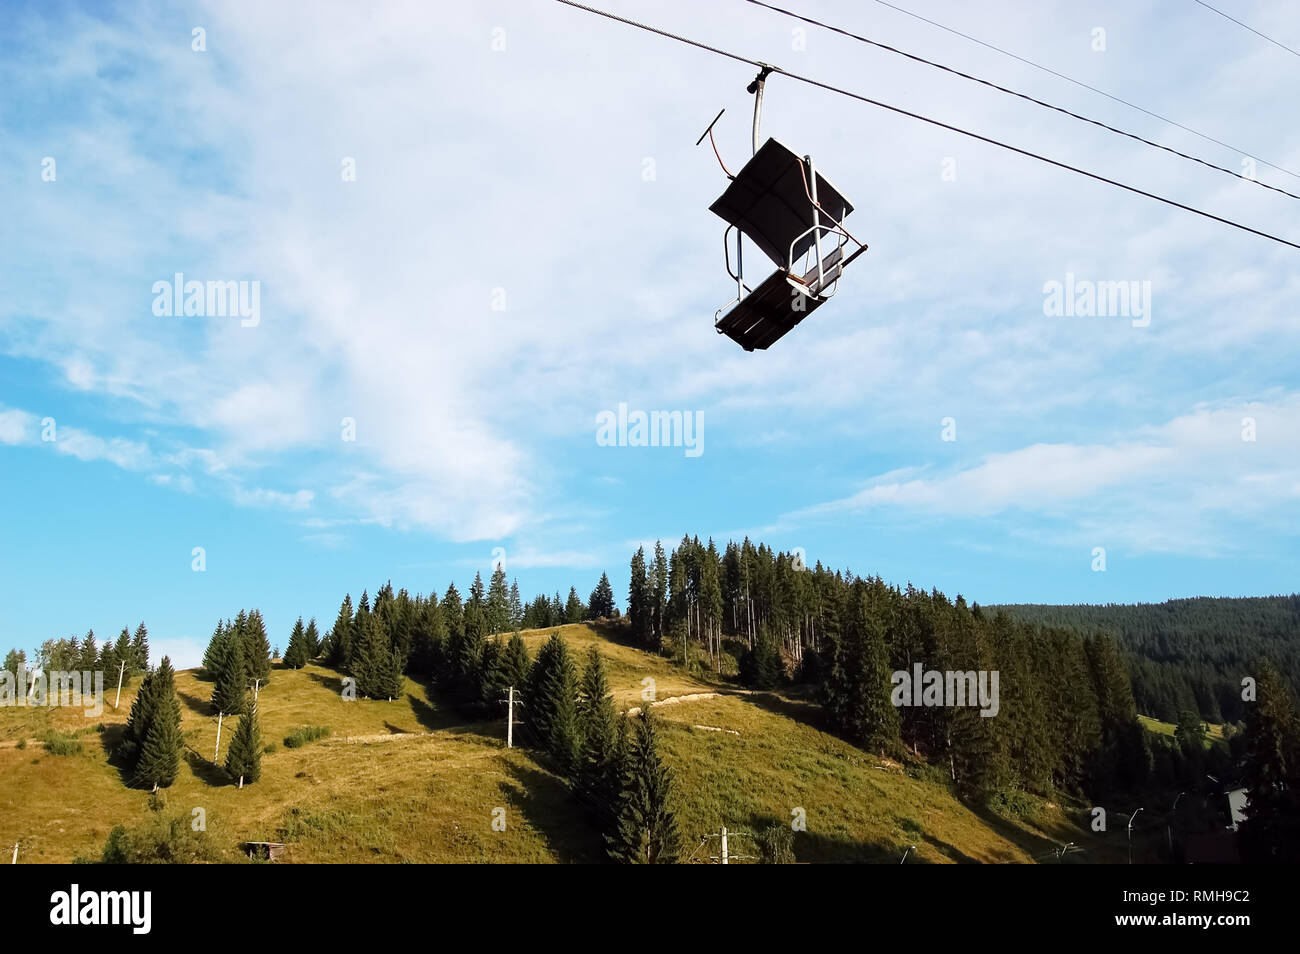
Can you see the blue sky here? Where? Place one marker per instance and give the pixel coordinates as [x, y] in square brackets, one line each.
[558, 175]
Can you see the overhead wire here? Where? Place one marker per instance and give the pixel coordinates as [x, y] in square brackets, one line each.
[1011, 92]
[1247, 26]
[926, 119]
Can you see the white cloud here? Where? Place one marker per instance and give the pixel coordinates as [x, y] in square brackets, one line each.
[1193, 481]
[16, 427]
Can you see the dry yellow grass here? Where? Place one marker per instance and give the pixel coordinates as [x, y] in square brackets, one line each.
[408, 781]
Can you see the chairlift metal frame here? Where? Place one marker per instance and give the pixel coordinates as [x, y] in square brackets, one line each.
[787, 219]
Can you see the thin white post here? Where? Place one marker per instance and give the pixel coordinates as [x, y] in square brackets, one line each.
[220, 716]
[120, 670]
[724, 844]
[510, 719]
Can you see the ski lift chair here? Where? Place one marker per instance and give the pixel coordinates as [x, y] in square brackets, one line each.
[795, 217]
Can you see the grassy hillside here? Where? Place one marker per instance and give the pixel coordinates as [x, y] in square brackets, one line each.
[408, 781]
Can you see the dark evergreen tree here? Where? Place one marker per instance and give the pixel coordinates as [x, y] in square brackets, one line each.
[646, 831]
[339, 655]
[244, 757]
[89, 660]
[761, 667]
[124, 663]
[515, 663]
[376, 665]
[453, 612]
[257, 649]
[574, 611]
[160, 754]
[144, 708]
[516, 606]
[858, 691]
[497, 609]
[140, 648]
[639, 600]
[602, 737]
[1271, 772]
[213, 655]
[429, 644]
[601, 604]
[298, 652]
[552, 703]
[492, 684]
[313, 639]
[231, 675]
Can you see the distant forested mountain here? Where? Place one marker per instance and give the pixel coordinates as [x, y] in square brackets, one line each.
[1190, 654]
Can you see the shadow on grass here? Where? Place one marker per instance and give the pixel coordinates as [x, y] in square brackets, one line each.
[333, 683]
[805, 711]
[195, 704]
[551, 808]
[214, 776]
[433, 718]
[809, 847]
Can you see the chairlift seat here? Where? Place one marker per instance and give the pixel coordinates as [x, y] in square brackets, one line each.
[768, 201]
[769, 312]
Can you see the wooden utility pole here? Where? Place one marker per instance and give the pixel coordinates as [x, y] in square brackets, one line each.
[121, 669]
[510, 717]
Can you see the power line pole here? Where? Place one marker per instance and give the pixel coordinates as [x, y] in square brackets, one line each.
[510, 718]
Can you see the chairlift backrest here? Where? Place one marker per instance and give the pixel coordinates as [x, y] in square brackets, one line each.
[769, 201]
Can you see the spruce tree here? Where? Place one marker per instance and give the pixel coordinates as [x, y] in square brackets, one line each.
[492, 683]
[574, 611]
[453, 612]
[89, 653]
[552, 703]
[213, 655]
[160, 754]
[340, 637]
[296, 655]
[638, 599]
[602, 599]
[1271, 772]
[144, 708]
[140, 648]
[230, 688]
[515, 663]
[602, 736]
[313, 639]
[761, 667]
[858, 699]
[376, 665]
[646, 829]
[516, 606]
[257, 649]
[429, 643]
[497, 610]
[244, 758]
[122, 654]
